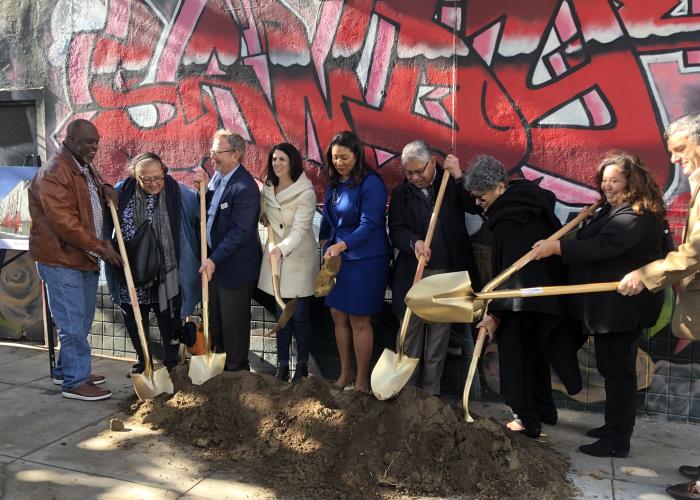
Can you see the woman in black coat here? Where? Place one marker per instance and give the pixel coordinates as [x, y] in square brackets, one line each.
[519, 213]
[624, 235]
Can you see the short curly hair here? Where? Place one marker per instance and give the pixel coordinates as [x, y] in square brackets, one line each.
[484, 174]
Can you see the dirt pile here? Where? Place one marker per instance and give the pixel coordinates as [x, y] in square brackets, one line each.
[310, 440]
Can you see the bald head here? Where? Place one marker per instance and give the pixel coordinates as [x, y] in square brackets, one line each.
[82, 139]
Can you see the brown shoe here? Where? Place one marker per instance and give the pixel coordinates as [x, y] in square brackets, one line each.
[93, 379]
[87, 392]
[96, 379]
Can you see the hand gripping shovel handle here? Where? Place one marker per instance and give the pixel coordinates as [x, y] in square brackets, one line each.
[148, 369]
[502, 277]
[421, 262]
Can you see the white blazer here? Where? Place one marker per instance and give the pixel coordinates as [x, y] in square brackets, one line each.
[291, 215]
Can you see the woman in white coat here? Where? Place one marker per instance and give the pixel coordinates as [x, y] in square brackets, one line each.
[288, 204]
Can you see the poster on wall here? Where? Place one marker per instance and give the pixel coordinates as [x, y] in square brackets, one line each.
[14, 207]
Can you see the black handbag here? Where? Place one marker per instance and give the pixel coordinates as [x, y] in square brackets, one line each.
[145, 255]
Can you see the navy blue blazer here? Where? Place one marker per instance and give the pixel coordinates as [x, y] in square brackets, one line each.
[357, 218]
[235, 243]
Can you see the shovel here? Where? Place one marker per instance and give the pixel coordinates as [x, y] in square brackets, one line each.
[288, 308]
[498, 280]
[207, 365]
[150, 383]
[457, 300]
[393, 370]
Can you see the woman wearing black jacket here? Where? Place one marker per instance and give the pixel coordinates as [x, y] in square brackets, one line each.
[624, 235]
[519, 213]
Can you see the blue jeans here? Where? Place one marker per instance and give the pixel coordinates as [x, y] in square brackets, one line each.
[300, 327]
[72, 298]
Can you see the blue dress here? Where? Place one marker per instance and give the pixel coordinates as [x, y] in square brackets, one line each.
[355, 214]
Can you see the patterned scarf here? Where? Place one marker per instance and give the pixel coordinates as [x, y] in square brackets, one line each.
[168, 280]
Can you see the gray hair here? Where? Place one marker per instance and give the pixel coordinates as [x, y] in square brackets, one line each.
[235, 141]
[148, 156]
[416, 150]
[686, 123]
[484, 174]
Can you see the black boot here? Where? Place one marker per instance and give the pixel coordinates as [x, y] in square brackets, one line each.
[301, 371]
[606, 447]
[282, 372]
[136, 368]
[598, 432]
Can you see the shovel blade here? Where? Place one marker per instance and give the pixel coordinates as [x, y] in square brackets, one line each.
[286, 315]
[391, 374]
[206, 366]
[151, 387]
[443, 298]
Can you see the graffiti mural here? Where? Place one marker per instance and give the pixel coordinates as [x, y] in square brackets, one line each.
[547, 87]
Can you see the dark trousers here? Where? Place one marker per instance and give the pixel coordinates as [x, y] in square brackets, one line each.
[298, 327]
[229, 322]
[166, 325]
[526, 384]
[616, 358]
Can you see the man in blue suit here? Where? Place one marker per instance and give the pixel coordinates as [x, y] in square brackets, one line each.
[233, 265]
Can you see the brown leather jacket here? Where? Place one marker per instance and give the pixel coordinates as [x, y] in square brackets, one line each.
[62, 228]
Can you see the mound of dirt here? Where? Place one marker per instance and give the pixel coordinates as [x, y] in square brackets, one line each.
[313, 441]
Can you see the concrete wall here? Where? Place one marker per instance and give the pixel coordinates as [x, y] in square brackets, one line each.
[546, 86]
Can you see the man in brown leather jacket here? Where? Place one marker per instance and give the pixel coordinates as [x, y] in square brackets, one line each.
[66, 202]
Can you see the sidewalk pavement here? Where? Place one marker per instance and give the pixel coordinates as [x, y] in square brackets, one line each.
[53, 447]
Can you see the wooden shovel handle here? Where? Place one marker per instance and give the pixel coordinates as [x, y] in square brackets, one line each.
[148, 369]
[432, 225]
[546, 291]
[421, 261]
[520, 263]
[203, 258]
[275, 266]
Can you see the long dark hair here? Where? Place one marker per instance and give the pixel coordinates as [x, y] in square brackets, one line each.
[641, 192]
[296, 167]
[349, 140]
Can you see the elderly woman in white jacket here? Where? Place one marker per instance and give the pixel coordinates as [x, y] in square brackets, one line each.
[288, 204]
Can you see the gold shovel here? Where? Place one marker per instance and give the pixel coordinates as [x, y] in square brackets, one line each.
[497, 281]
[150, 383]
[393, 370]
[288, 308]
[207, 365]
[451, 294]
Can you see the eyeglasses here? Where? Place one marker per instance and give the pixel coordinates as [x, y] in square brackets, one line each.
[480, 197]
[149, 180]
[411, 173]
[213, 152]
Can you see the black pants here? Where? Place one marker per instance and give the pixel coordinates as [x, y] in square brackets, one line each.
[526, 383]
[166, 325]
[229, 322]
[616, 358]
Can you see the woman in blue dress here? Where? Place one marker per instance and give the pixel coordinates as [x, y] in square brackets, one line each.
[353, 227]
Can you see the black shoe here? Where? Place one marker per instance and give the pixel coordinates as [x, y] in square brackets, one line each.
[690, 472]
[135, 369]
[282, 373]
[598, 432]
[685, 491]
[549, 418]
[300, 372]
[605, 448]
[531, 432]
